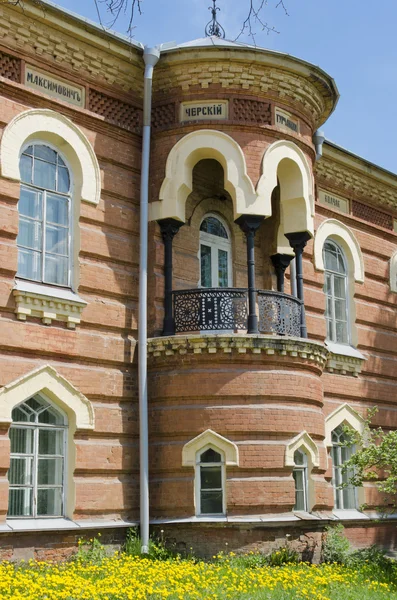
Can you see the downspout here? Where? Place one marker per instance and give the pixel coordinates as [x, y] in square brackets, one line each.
[150, 57]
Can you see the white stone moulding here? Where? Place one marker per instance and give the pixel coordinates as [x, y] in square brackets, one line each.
[48, 304]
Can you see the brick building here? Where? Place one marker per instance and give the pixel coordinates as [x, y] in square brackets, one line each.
[271, 294]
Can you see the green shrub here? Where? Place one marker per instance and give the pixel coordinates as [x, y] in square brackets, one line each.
[157, 546]
[283, 556]
[91, 551]
[336, 546]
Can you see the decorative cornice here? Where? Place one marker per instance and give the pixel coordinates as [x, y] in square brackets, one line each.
[48, 308]
[260, 72]
[241, 344]
[352, 181]
[344, 365]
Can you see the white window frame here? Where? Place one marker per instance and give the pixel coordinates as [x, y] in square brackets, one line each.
[70, 196]
[304, 469]
[337, 475]
[332, 295]
[197, 480]
[35, 427]
[216, 243]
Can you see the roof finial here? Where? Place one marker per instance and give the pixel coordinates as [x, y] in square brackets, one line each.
[213, 27]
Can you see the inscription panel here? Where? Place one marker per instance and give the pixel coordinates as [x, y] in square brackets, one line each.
[204, 111]
[54, 87]
[334, 202]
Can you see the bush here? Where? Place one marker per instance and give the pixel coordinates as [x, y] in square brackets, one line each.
[283, 556]
[91, 551]
[336, 546]
[157, 547]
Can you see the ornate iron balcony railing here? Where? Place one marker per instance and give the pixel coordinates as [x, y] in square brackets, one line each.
[225, 309]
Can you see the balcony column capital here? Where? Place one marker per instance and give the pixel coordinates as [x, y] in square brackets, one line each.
[169, 228]
[249, 224]
[298, 241]
[281, 263]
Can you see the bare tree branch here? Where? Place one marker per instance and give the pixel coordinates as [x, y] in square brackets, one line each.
[127, 10]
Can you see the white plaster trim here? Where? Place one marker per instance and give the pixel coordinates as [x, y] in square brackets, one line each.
[334, 229]
[350, 514]
[178, 181]
[344, 359]
[64, 134]
[343, 414]
[48, 303]
[285, 162]
[303, 440]
[62, 393]
[213, 439]
[393, 272]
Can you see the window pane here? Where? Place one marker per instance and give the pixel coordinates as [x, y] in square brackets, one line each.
[56, 270]
[45, 153]
[49, 502]
[29, 151]
[299, 458]
[340, 310]
[20, 471]
[210, 456]
[21, 440]
[211, 478]
[63, 180]
[44, 175]
[57, 210]
[50, 471]
[299, 479]
[51, 416]
[29, 264]
[222, 268]
[25, 168]
[50, 441]
[31, 203]
[339, 287]
[211, 503]
[330, 258]
[341, 332]
[20, 502]
[214, 226]
[19, 415]
[205, 260]
[299, 500]
[56, 240]
[349, 497]
[30, 234]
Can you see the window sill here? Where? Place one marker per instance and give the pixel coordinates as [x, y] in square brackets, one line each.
[349, 514]
[344, 359]
[57, 524]
[48, 303]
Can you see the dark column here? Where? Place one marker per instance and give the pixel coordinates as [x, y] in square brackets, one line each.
[249, 224]
[280, 263]
[298, 241]
[169, 227]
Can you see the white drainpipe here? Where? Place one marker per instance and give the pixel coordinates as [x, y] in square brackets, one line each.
[150, 56]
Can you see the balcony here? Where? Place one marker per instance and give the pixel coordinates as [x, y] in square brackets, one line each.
[216, 310]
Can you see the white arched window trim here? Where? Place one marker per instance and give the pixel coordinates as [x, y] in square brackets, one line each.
[306, 444]
[194, 448]
[340, 234]
[344, 414]
[393, 272]
[51, 128]
[63, 395]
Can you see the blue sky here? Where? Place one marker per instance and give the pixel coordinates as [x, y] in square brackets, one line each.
[355, 41]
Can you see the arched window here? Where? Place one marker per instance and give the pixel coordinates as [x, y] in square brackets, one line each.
[335, 288]
[215, 253]
[301, 480]
[44, 238]
[210, 483]
[37, 467]
[344, 497]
